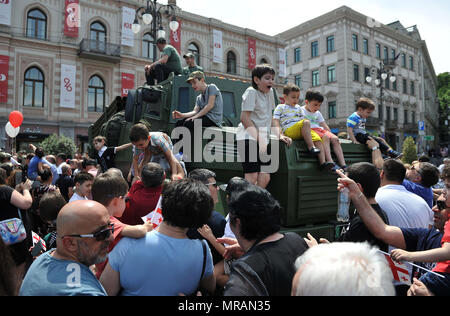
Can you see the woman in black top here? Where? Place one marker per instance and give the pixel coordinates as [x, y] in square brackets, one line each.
[267, 267]
[12, 202]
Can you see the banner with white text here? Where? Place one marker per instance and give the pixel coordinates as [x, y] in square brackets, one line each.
[127, 21]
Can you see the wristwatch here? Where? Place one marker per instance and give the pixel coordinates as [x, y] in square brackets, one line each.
[375, 148]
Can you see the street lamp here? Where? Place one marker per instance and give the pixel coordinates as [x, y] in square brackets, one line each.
[152, 15]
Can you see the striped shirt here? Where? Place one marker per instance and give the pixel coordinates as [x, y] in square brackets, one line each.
[288, 115]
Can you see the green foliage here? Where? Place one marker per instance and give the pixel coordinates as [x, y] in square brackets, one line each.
[55, 144]
[444, 90]
[409, 150]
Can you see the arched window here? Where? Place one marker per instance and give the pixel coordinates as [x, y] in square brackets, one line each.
[37, 24]
[263, 61]
[192, 48]
[147, 46]
[98, 36]
[33, 88]
[96, 94]
[231, 63]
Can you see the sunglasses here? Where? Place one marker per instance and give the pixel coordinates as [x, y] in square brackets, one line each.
[214, 184]
[441, 205]
[99, 236]
[417, 170]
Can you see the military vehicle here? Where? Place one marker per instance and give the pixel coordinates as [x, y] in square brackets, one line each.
[307, 195]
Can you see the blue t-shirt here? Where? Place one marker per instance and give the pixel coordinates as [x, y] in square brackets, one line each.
[159, 265]
[421, 239]
[33, 168]
[357, 123]
[48, 276]
[420, 190]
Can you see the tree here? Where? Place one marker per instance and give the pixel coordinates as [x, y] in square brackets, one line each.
[55, 144]
[409, 150]
[444, 101]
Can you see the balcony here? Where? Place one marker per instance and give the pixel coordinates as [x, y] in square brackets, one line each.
[99, 50]
[391, 124]
[373, 122]
[411, 127]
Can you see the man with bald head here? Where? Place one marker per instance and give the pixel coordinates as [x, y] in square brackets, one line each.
[84, 234]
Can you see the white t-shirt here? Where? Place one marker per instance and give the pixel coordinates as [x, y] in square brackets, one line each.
[261, 107]
[76, 197]
[314, 118]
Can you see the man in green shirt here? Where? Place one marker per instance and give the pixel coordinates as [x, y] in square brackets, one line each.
[191, 65]
[169, 62]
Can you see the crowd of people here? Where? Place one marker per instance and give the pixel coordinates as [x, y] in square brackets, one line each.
[86, 232]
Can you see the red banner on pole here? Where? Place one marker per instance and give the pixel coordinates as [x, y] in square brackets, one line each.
[175, 38]
[4, 68]
[251, 53]
[127, 83]
[72, 18]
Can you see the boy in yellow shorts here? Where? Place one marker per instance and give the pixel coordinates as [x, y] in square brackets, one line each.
[290, 124]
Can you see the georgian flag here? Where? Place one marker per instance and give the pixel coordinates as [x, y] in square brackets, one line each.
[155, 217]
[399, 271]
[37, 239]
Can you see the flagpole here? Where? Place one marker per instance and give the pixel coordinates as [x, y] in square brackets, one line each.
[415, 265]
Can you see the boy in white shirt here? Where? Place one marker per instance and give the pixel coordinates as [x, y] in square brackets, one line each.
[289, 122]
[313, 101]
[83, 184]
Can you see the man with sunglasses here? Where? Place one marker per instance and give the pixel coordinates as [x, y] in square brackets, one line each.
[409, 239]
[84, 233]
[419, 180]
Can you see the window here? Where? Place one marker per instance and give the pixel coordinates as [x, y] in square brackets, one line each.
[380, 112]
[394, 85]
[366, 46]
[355, 42]
[388, 113]
[231, 63]
[263, 61]
[33, 88]
[331, 74]
[356, 72]
[411, 63]
[393, 53]
[147, 46]
[229, 108]
[192, 48]
[395, 114]
[386, 53]
[297, 55]
[387, 83]
[98, 37]
[298, 81]
[366, 74]
[406, 116]
[314, 49]
[315, 78]
[404, 60]
[413, 116]
[330, 44]
[332, 113]
[378, 50]
[413, 90]
[405, 86]
[37, 24]
[96, 94]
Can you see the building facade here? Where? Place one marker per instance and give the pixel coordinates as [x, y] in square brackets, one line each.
[38, 49]
[333, 53]
[336, 52]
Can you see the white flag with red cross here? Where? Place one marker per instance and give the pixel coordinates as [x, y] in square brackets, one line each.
[155, 217]
[399, 270]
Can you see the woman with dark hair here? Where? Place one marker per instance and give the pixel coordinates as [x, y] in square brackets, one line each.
[8, 282]
[12, 202]
[166, 262]
[38, 225]
[267, 267]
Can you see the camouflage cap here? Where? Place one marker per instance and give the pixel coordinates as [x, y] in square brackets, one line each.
[196, 75]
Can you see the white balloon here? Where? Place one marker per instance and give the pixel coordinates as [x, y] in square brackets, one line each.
[11, 130]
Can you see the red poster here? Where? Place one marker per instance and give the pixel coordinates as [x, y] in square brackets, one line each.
[127, 83]
[72, 18]
[4, 67]
[175, 38]
[251, 53]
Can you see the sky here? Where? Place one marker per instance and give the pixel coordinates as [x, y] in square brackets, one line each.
[432, 17]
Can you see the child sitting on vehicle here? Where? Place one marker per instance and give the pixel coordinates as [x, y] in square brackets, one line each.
[290, 124]
[313, 101]
[356, 128]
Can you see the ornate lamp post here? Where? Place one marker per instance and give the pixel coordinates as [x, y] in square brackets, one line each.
[152, 15]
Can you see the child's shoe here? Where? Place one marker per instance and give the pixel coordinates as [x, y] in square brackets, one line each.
[327, 166]
[314, 151]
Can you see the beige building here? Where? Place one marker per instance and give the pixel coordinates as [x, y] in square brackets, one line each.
[37, 48]
[332, 53]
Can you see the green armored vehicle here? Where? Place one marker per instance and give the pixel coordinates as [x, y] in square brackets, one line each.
[307, 195]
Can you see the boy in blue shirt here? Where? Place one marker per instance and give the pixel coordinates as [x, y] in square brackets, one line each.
[356, 128]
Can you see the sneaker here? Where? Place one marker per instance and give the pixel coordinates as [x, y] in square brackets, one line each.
[314, 151]
[336, 168]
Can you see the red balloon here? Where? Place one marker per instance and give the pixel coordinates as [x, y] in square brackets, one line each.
[16, 118]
